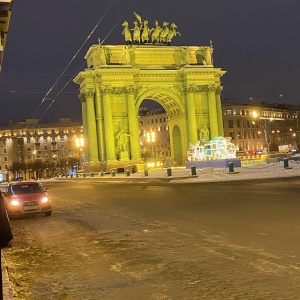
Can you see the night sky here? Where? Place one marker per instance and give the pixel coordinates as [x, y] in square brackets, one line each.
[255, 41]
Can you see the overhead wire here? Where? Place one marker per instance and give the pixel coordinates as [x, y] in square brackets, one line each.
[85, 62]
[49, 91]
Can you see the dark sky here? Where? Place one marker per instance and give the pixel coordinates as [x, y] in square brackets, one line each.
[256, 41]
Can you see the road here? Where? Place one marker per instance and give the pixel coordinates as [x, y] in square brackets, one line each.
[231, 240]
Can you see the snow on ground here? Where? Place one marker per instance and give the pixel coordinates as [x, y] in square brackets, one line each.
[248, 171]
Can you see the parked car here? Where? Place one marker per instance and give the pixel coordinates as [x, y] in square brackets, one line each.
[26, 197]
[3, 186]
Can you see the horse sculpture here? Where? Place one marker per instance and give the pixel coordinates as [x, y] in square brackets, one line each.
[156, 32]
[172, 32]
[142, 32]
[146, 32]
[164, 32]
[136, 32]
[126, 32]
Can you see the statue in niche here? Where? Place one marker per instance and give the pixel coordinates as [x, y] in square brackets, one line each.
[204, 135]
[122, 138]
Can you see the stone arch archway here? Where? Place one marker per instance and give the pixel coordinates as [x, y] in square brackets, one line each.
[112, 89]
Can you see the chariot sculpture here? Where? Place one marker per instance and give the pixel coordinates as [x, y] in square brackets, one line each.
[142, 32]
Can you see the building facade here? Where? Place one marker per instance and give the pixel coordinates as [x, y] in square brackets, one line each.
[28, 145]
[254, 128]
[5, 12]
[261, 126]
[155, 138]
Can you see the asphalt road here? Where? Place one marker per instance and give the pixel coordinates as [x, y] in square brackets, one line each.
[230, 240]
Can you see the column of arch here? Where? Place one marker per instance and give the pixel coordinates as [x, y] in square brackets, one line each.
[135, 150]
[107, 93]
[192, 125]
[89, 119]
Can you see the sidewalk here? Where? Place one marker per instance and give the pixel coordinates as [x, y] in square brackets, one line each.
[7, 294]
[177, 175]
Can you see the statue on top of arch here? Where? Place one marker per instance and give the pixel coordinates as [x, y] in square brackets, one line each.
[142, 33]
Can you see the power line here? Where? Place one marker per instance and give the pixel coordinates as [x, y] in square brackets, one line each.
[72, 59]
[37, 74]
[84, 62]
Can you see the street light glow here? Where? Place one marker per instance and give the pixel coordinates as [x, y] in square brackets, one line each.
[79, 142]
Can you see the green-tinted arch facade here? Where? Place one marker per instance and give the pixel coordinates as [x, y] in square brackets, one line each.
[118, 78]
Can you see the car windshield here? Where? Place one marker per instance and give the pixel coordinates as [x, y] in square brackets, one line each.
[26, 189]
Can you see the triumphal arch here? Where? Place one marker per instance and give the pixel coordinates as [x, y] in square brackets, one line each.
[182, 79]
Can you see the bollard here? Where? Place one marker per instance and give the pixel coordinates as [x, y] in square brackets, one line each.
[92, 174]
[193, 170]
[285, 163]
[102, 174]
[113, 173]
[127, 173]
[76, 175]
[84, 175]
[146, 173]
[231, 167]
[71, 175]
[169, 172]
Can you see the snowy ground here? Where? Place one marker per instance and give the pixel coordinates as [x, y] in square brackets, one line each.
[251, 170]
[248, 171]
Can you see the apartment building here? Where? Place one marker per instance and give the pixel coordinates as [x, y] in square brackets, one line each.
[28, 143]
[154, 137]
[261, 126]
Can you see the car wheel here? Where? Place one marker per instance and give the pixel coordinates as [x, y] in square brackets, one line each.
[48, 213]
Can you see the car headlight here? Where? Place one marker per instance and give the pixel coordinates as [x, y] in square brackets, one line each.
[15, 202]
[45, 200]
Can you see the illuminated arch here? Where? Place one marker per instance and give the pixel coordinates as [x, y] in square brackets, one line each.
[116, 81]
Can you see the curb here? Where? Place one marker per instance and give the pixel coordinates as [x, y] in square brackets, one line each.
[7, 292]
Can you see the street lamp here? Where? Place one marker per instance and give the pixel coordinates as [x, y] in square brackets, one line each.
[150, 138]
[255, 115]
[79, 143]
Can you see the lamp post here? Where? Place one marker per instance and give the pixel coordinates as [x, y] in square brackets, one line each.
[150, 139]
[79, 143]
[255, 115]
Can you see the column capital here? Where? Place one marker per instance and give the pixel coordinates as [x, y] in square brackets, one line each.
[106, 89]
[211, 88]
[111, 90]
[87, 93]
[219, 89]
[191, 88]
[131, 89]
[81, 97]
